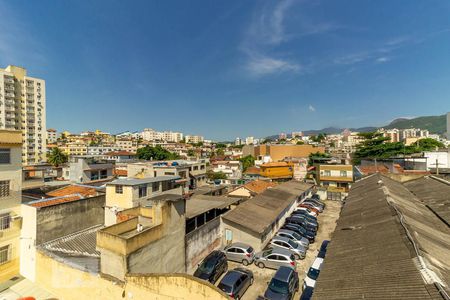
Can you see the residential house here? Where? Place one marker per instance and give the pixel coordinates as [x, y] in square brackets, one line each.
[251, 189]
[88, 169]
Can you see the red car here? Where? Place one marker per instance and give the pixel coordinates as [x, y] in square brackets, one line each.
[312, 209]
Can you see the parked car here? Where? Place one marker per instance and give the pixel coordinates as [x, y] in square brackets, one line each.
[240, 252]
[307, 293]
[313, 273]
[309, 211]
[304, 214]
[212, 267]
[301, 222]
[236, 282]
[298, 250]
[323, 249]
[317, 202]
[311, 207]
[283, 286]
[300, 230]
[294, 236]
[274, 258]
[308, 221]
[315, 196]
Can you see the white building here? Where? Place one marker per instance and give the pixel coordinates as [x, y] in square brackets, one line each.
[249, 140]
[101, 150]
[52, 136]
[238, 141]
[232, 168]
[166, 136]
[23, 108]
[441, 158]
[193, 139]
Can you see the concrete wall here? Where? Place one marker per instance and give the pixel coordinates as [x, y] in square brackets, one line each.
[59, 220]
[240, 234]
[200, 242]
[72, 284]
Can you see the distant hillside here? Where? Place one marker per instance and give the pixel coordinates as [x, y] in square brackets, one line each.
[434, 124]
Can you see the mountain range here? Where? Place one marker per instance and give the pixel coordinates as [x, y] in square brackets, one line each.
[434, 124]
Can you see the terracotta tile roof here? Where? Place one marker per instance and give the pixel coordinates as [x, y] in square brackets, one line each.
[84, 191]
[119, 153]
[259, 186]
[54, 201]
[252, 170]
[366, 170]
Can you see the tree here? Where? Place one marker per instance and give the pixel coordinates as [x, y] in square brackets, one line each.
[428, 144]
[221, 145]
[220, 152]
[247, 161]
[318, 139]
[317, 157]
[191, 152]
[57, 157]
[216, 175]
[156, 153]
[300, 143]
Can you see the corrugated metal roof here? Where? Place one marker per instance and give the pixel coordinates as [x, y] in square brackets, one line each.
[199, 204]
[370, 255]
[260, 212]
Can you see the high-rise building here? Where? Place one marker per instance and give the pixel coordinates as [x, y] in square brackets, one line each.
[194, 139]
[237, 141]
[23, 109]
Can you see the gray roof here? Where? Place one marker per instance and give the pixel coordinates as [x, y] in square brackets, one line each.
[434, 192]
[199, 204]
[138, 181]
[261, 212]
[206, 189]
[370, 255]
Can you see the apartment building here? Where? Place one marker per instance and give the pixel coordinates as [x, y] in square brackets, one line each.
[280, 152]
[52, 136]
[10, 200]
[193, 139]
[23, 108]
[167, 136]
[127, 144]
[336, 178]
[75, 149]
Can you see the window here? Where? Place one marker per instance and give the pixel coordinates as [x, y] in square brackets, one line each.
[142, 191]
[155, 187]
[343, 173]
[4, 188]
[232, 250]
[327, 173]
[5, 221]
[5, 156]
[239, 250]
[119, 189]
[5, 254]
[103, 174]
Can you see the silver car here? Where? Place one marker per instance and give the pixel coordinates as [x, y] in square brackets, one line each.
[294, 236]
[274, 258]
[282, 242]
[240, 252]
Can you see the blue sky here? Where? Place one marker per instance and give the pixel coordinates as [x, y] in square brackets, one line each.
[231, 68]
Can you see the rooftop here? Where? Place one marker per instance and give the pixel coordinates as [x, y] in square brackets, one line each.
[82, 190]
[137, 181]
[120, 153]
[259, 213]
[199, 204]
[259, 186]
[371, 254]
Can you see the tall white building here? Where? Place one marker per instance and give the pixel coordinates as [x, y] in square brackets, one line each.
[22, 100]
[166, 136]
[237, 141]
[249, 140]
[194, 139]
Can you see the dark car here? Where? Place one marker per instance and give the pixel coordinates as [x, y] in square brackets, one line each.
[307, 293]
[301, 231]
[315, 196]
[323, 249]
[301, 221]
[212, 267]
[305, 215]
[283, 285]
[236, 282]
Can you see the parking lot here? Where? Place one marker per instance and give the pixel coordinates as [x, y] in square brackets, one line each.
[327, 223]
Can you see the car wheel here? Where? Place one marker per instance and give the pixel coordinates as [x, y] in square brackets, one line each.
[261, 265]
[245, 262]
[297, 257]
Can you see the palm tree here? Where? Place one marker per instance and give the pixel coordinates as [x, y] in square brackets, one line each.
[57, 157]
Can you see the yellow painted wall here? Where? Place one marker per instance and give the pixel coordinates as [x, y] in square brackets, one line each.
[277, 171]
[68, 283]
[124, 200]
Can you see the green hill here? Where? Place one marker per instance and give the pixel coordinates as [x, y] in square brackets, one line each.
[434, 124]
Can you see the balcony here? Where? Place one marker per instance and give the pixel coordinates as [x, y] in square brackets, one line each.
[9, 88]
[10, 102]
[9, 80]
[10, 95]
[10, 108]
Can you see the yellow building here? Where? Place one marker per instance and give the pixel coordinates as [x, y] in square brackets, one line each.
[10, 200]
[277, 170]
[23, 109]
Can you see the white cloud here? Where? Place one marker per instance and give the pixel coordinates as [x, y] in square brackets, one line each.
[382, 59]
[311, 108]
[259, 65]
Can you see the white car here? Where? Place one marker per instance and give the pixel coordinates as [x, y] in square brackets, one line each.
[313, 273]
[308, 211]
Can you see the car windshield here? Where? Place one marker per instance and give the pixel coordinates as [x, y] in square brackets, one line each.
[293, 244]
[278, 286]
[206, 266]
[296, 236]
[313, 273]
[226, 288]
